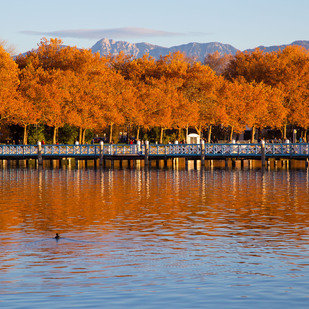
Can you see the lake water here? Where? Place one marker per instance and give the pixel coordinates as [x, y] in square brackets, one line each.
[158, 238]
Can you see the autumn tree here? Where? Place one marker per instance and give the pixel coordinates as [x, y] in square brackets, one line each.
[55, 99]
[9, 82]
[116, 100]
[50, 66]
[256, 66]
[158, 105]
[294, 61]
[52, 55]
[11, 49]
[65, 86]
[286, 70]
[30, 99]
[138, 74]
[200, 88]
[218, 62]
[81, 109]
[231, 97]
[255, 105]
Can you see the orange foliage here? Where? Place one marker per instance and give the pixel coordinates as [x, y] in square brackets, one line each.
[8, 85]
[217, 62]
[64, 85]
[253, 105]
[287, 70]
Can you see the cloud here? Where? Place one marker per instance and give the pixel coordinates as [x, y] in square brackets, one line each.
[116, 33]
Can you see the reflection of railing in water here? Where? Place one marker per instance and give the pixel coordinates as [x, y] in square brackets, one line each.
[214, 151]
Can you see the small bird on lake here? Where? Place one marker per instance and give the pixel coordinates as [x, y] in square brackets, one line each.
[57, 236]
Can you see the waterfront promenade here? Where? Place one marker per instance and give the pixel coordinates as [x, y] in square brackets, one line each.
[148, 152]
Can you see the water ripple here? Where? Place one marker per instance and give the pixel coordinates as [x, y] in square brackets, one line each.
[191, 239]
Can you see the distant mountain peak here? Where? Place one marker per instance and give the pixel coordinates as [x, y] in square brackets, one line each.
[268, 49]
[197, 50]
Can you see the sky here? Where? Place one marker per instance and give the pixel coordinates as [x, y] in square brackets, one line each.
[243, 24]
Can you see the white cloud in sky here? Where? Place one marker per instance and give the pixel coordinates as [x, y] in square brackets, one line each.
[116, 33]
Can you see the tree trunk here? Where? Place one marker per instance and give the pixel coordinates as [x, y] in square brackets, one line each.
[80, 135]
[111, 133]
[137, 133]
[25, 139]
[161, 135]
[84, 135]
[231, 133]
[252, 134]
[284, 132]
[187, 132]
[198, 131]
[179, 134]
[55, 135]
[209, 134]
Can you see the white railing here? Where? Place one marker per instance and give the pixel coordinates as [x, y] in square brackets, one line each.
[177, 150]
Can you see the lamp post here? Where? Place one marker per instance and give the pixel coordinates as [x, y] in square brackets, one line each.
[294, 136]
[263, 152]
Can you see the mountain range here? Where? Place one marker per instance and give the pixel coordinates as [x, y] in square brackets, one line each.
[196, 50]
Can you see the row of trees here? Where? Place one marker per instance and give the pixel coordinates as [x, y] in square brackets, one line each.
[65, 86]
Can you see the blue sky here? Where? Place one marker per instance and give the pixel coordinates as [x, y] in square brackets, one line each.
[241, 23]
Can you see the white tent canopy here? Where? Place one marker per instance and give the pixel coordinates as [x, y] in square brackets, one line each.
[193, 138]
